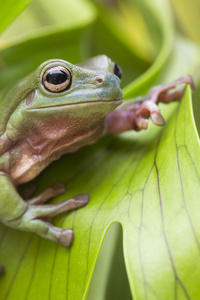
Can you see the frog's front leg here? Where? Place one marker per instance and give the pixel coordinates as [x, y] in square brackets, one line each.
[134, 114]
[32, 215]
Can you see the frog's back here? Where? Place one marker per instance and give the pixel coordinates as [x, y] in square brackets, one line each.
[12, 96]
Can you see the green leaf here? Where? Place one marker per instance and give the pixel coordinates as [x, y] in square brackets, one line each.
[150, 188]
[10, 9]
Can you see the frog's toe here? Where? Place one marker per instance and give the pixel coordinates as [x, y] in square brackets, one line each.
[48, 231]
[157, 119]
[148, 108]
[57, 189]
[66, 237]
[140, 123]
[167, 93]
[80, 200]
[52, 210]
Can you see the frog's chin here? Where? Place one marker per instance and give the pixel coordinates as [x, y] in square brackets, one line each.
[115, 102]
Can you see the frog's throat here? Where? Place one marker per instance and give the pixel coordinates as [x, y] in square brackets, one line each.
[117, 101]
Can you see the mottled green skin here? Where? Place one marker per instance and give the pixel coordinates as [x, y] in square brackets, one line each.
[35, 132]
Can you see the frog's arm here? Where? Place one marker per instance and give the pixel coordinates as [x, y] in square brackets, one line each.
[134, 114]
[30, 215]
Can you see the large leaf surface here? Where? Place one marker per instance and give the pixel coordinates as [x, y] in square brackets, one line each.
[150, 188]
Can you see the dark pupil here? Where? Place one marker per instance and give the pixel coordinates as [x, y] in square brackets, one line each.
[117, 71]
[56, 76]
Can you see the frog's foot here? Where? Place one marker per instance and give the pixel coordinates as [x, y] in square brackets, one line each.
[134, 114]
[36, 217]
[148, 107]
[2, 271]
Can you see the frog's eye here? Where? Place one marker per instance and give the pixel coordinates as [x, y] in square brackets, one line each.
[117, 71]
[57, 79]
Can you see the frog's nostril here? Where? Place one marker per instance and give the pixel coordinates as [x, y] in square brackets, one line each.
[99, 80]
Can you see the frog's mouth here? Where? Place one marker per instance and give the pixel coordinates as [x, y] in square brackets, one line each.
[117, 102]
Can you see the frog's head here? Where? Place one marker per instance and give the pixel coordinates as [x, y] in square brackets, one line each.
[60, 90]
[62, 84]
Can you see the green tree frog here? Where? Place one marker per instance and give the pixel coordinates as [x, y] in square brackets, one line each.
[57, 109]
